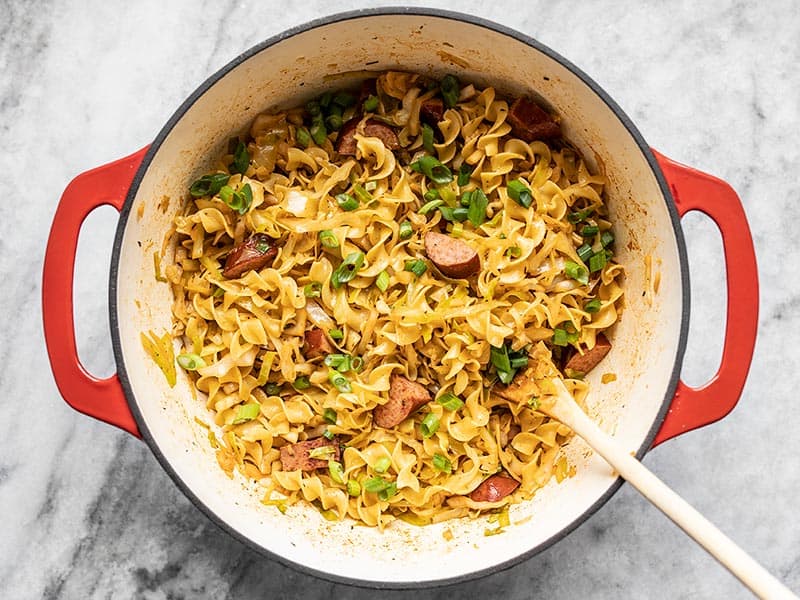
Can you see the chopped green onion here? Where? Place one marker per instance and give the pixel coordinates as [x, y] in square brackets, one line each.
[344, 100]
[450, 90]
[429, 425]
[450, 401]
[519, 192]
[514, 252]
[518, 362]
[459, 214]
[580, 215]
[371, 103]
[336, 334]
[339, 381]
[606, 239]
[382, 464]
[387, 492]
[325, 99]
[273, 389]
[431, 194]
[442, 463]
[346, 202]
[303, 137]
[219, 292]
[190, 361]
[576, 272]
[427, 138]
[340, 362]
[241, 159]
[247, 412]
[353, 487]
[589, 230]
[329, 416]
[328, 239]
[347, 270]
[499, 358]
[336, 471]
[593, 305]
[240, 200]
[356, 363]
[506, 376]
[429, 206]
[328, 434]
[375, 484]
[406, 230]
[301, 383]
[362, 194]
[585, 253]
[534, 402]
[466, 199]
[433, 169]
[334, 122]
[573, 374]
[313, 107]
[318, 133]
[209, 185]
[312, 290]
[464, 173]
[565, 334]
[416, 266]
[382, 281]
[597, 262]
[226, 193]
[262, 245]
[477, 208]
[321, 452]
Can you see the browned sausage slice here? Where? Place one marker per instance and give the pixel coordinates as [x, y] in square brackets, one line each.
[583, 363]
[431, 111]
[296, 456]
[453, 257]
[346, 142]
[494, 488]
[405, 396]
[316, 343]
[531, 122]
[255, 252]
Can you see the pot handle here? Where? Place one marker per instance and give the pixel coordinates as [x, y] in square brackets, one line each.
[694, 407]
[102, 399]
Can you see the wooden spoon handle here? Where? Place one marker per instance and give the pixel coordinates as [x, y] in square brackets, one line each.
[720, 546]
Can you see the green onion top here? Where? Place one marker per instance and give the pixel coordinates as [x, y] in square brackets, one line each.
[241, 159]
[301, 383]
[336, 334]
[477, 208]
[431, 194]
[318, 132]
[429, 425]
[464, 173]
[606, 239]
[346, 202]
[371, 103]
[416, 266]
[589, 230]
[585, 253]
[362, 193]
[382, 281]
[433, 169]
[339, 381]
[450, 401]
[565, 334]
[576, 272]
[328, 239]
[336, 471]
[303, 137]
[519, 192]
[406, 230]
[580, 215]
[427, 138]
[597, 262]
[507, 362]
[322, 452]
[450, 90]
[328, 434]
[239, 200]
[593, 305]
[312, 290]
[329, 416]
[347, 270]
[442, 463]
[429, 206]
[190, 361]
[247, 412]
[375, 484]
[382, 464]
[209, 185]
[353, 487]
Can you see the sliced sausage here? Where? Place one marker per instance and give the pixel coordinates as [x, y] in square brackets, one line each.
[432, 111]
[494, 488]
[531, 122]
[296, 456]
[405, 396]
[255, 252]
[583, 363]
[316, 343]
[346, 142]
[453, 257]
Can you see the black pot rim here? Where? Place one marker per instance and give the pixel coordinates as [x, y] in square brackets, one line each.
[202, 89]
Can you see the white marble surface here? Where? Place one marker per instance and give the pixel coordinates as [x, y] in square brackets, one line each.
[86, 510]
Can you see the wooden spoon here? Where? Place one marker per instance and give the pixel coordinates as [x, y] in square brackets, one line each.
[563, 407]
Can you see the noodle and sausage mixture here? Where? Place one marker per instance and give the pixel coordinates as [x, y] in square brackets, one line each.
[362, 283]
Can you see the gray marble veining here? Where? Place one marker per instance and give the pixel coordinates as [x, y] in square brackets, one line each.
[87, 511]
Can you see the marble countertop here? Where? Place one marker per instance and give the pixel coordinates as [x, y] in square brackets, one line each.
[86, 509]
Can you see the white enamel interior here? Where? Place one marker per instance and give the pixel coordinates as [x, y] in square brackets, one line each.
[293, 70]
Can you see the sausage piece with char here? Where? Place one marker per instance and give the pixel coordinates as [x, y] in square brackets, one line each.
[531, 122]
[405, 397]
[296, 456]
[494, 488]
[583, 363]
[453, 257]
[255, 252]
[346, 142]
[316, 343]
[431, 111]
